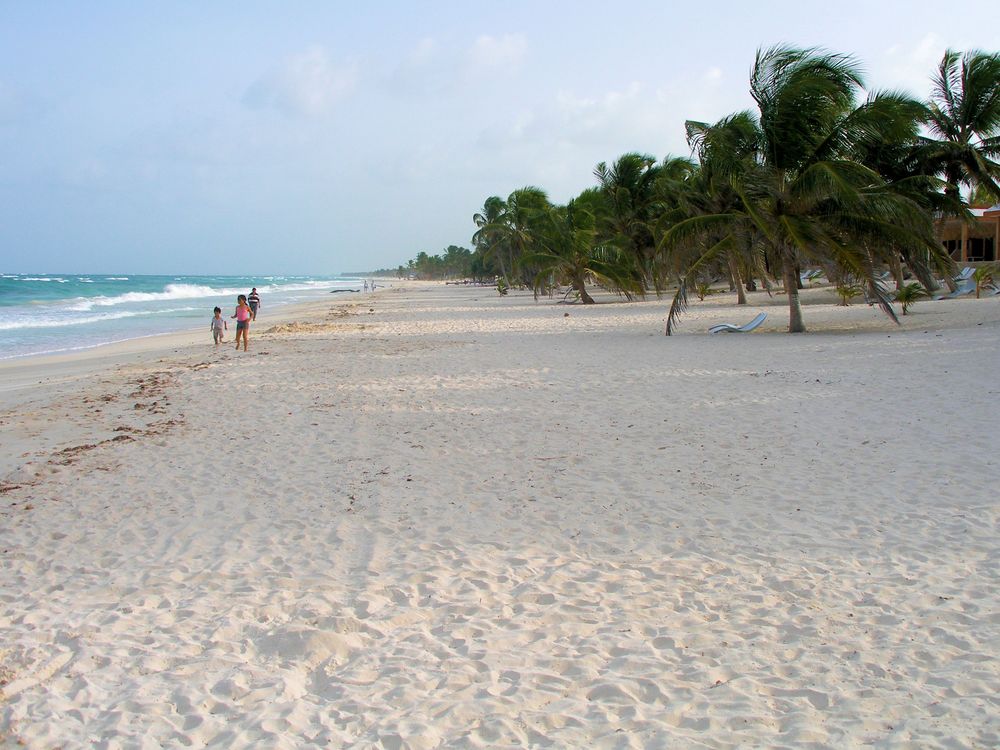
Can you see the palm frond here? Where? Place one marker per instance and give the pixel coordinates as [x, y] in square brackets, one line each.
[680, 301]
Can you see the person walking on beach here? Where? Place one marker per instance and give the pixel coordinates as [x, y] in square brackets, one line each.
[219, 326]
[366, 285]
[254, 300]
[243, 317]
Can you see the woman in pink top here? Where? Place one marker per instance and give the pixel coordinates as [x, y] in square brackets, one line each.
[242, 316]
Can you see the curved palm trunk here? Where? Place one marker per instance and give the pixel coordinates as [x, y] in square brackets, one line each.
[734, 271]
[929, 282]
[795, 322]
[582, 289]
[927, 279]
[897, 271]
[503, 268]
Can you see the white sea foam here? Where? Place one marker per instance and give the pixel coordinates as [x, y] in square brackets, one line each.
[170, 291]
[58, 321]
[186, 291]
[116, 278]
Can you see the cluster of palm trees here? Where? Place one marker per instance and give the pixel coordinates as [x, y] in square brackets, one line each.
[453, 263]
[821, 174]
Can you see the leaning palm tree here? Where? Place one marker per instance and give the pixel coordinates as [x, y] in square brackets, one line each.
[964, 122]
[626, 215]
[490, 238]
[726, 151]
[677, 181]
[807, 199]
[569, 251]
[525, 207]
[505, 228]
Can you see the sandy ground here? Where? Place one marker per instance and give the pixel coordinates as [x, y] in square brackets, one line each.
[440, 518]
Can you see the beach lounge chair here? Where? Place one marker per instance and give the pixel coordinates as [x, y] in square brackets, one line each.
[730, 328]
[964, 275]
[810, 276]
[964, 287]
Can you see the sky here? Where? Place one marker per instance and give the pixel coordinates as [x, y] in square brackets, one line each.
[328, 137]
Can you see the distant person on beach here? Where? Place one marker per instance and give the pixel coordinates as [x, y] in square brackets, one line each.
[254, 300]
[243, 317]
[373, 285]
[366, 285]
[219, 327]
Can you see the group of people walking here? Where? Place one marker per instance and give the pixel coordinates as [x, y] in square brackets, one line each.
[246, 312]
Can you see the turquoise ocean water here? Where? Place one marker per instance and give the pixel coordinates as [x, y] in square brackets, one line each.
[52, 313]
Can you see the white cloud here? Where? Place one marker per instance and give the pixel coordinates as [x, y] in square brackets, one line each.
[435, 69]
[629, 118]
[556, 142]
[425, 51]
[910, 67]
[713, 75]
[505, 52]
[447, 71]
[423, 71]
[305, 84]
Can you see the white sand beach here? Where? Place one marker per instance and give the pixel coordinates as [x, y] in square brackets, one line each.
[434, 517]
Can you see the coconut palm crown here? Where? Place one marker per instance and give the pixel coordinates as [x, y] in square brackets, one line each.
[964, 122]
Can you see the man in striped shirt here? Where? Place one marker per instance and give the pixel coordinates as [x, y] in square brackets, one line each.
[253, 299]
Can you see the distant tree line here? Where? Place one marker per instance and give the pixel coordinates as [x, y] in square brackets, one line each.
[453, 263]
[822, 173]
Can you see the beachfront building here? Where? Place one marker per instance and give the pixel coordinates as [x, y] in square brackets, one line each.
[975, 242]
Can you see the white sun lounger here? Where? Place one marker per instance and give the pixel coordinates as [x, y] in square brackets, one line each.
[964, 287]
[730, 328]
[810, 276]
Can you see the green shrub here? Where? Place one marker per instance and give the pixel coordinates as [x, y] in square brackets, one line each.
[909, 294]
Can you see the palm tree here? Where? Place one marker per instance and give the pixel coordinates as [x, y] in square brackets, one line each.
[964, 117]
[904, 166]
[525, 207]
[980, 196]
[569, 251]
[908, 294]
[629, 189]
[489, 239]
[726, 151]
[805, 196]
[505, 229]
[984, 276]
